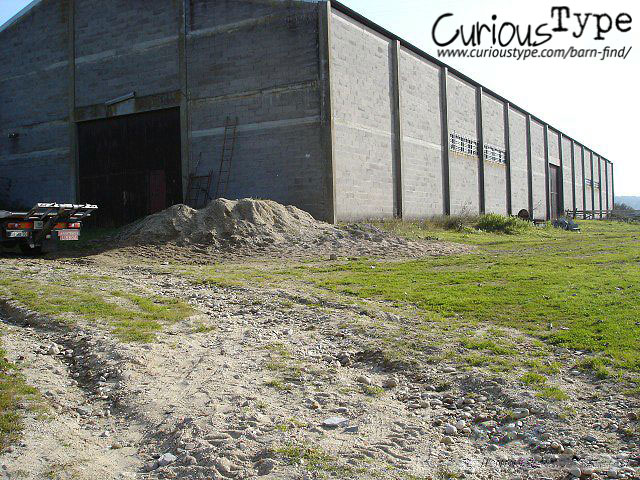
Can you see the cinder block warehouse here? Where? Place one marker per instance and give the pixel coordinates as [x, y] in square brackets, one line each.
[136, 105]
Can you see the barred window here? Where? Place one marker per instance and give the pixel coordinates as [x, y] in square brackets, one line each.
[463, 145]
[495, 154]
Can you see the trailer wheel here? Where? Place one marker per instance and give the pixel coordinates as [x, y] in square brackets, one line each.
[29, 250]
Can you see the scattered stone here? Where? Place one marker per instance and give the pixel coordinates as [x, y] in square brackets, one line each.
[224, 466]
[364, 380]
[53, 350]
[335, 422]
[190, 460]
[521, 413]
[447, 440]
[151, 466]
[575, 471]
[265, 467]
[391, 382]
[166, 459]
[450, 429]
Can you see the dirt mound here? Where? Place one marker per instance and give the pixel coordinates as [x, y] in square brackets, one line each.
[254, 227]
[223, 223]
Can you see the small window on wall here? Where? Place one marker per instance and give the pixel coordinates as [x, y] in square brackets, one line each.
[463, 145]
[589, 183]
[495, 154]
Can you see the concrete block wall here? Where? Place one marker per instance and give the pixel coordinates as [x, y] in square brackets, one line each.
[610, 184]
[495, 174]
[34, 104]
[567, 174]
[257, 62]
[554, 148]
[369, 163]
[538, 161]
[361, 96]
[578, 161]
[122, 47]
[518, 160]
[598, 174]
[420, 115]
[463, 169]
[588, 175]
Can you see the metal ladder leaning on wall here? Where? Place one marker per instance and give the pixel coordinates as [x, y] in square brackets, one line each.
[198, 188]
[228, 148]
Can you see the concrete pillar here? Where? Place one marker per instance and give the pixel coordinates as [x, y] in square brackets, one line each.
[546, 170]
[606, 183]
[480, 134]
[613, 189]
[600, 182]
[584, 183]
[529, 165]
[561, 193]
[593, 191]
[573, 177]
[444, 121]
[74, 167]
[396, 106]
[185, 141]
[326, 111]
[507, 146]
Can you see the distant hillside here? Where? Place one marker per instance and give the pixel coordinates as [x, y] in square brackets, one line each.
[633, 202]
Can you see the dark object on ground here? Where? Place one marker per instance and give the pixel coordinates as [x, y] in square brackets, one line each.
[566, 224]
[524, 215]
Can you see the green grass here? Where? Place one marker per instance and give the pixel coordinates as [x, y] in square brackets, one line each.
[313, 459]
[533, 379]
[13, 392]
[558, 289]
[586, 285]
[132, 317]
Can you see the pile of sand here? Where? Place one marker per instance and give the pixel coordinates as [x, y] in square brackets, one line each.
[227, 223]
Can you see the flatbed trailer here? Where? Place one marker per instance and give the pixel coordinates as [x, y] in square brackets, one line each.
[41, 228]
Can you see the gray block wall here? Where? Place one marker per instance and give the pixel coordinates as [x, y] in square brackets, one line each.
[495, 174]
[518, 158]
[258, 62]
[122, 47]
[578, 156]
[34, 104]
[554, 148]
[538, 171]
[567, 174]
[422, 137]
[610, 183]
[588, 172]
[361, 89]
[461, 100]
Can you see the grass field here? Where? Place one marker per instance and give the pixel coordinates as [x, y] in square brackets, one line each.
[561, 289]
[131, 317]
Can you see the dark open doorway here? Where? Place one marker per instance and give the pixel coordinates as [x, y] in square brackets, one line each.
[554, 189]
[130, 165]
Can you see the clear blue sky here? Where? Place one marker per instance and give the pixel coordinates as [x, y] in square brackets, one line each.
[593, 101]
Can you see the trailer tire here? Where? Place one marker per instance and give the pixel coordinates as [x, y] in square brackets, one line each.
[29, 250]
